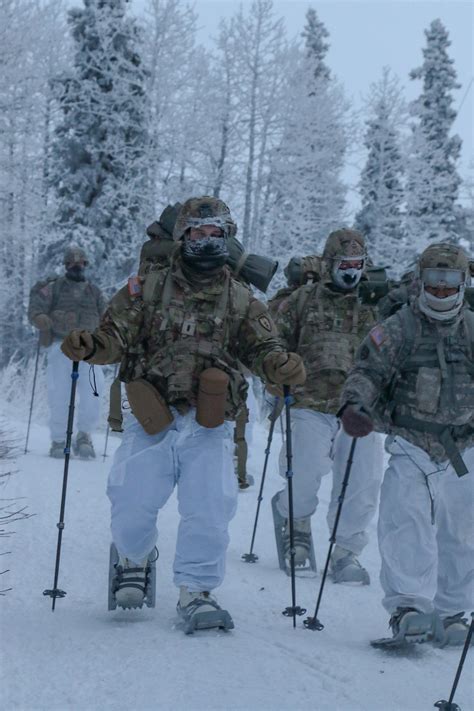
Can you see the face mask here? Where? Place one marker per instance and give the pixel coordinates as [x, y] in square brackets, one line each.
[441, 309]
[205, 254]
[76, 272]
[347, 272]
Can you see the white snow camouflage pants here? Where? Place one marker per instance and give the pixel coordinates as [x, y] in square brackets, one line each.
[145, 471]
[319, 446]
[426, 532]
[87, 407]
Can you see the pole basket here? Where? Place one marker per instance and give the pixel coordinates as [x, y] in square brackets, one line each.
[292, 611]
[312, 623]
[250, 557]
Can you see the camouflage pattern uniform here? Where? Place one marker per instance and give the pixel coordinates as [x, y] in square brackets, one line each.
[69, 304]
[415, 376]
[167, 327]
[325, 325]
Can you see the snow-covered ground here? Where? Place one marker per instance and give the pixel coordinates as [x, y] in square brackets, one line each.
[84, 657]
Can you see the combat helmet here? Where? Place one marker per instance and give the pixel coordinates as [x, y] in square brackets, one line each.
[75, 254]
[444, 255]
[443, 268]
[205, 210]
[344, 258]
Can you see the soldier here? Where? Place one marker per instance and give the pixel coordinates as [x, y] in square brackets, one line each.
[414, 379]
[57, 305]
[325, 322]
[179, 332]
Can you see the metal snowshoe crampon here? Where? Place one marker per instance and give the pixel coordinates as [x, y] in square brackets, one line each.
[409, 626]
[305, 560]
[83, 446]
[131, 586]
[346, 569]
[200, 611]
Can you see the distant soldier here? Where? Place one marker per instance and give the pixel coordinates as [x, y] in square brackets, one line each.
[324, 322]
[413, 379]
[58, 305]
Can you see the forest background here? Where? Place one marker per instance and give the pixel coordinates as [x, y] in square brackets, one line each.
[109, 110]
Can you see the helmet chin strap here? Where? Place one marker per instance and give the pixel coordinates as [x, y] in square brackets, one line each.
[440, 309]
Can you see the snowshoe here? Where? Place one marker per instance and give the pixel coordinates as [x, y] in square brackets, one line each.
[131, 585]
[246, 482]
[409, 626]
[452, 631]
[346, 569]
[305, 560]
[83, 446]
[200, 611]
[57, 450]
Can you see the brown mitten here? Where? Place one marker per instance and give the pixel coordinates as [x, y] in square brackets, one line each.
[355, 422]
[284, 368]
[78, 345]
[43, 322]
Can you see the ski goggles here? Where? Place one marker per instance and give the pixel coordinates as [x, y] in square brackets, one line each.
[450, 278]
[350, 263]
[196, 222]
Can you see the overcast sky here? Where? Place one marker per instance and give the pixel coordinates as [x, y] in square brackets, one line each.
[365, 36]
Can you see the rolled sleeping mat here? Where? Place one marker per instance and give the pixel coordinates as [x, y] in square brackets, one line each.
[257, 270]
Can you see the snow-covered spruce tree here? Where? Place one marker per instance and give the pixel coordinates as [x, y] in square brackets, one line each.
[308, 192]
[433, 180]
[381, 183]
[98, 166]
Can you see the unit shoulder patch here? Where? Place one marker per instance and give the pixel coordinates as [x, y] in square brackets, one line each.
[378, 336]
[135, 286]
[265, 323]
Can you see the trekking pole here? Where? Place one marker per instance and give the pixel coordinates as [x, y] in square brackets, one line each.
[312, 623]
[294, 609]
[449, 705]
[251, 557]
[32, 393]
[55, 592]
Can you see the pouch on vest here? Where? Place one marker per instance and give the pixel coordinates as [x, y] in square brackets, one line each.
[428, 388]
[148, 406]
[212, 397]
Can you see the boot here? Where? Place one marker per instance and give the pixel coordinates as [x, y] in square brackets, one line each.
[245, 482]
[345, 568]
[452, 631]
[83, 447]
[57, 449]
[302, 540]
[199, 610]
[408, 626]
[130, 582]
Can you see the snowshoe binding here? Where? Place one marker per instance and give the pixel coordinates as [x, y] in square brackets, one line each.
[201, 611]
[305, 560]
[83, 446]
[131, 585]
[452, 631]
[346, 569]
[409, 626]
[57, 450]
[246, 482]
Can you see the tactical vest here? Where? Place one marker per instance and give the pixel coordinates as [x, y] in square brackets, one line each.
[433, 390]
[74, 305]
[184, 333]
[332, 325]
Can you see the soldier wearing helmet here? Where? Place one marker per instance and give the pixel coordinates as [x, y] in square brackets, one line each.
[324, 322]
[57, 305]
[181, 333]
[414, 380]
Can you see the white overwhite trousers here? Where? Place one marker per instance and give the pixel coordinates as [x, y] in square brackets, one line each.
[319, 446]
[145, 471]
[87, 406]
[426, 532]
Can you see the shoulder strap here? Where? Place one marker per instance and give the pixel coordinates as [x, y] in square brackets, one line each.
[240, 298]
[410, 331]
[302, 301]
[469, 329]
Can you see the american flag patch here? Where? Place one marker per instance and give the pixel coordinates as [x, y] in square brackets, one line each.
[134, 286]
[377, 336]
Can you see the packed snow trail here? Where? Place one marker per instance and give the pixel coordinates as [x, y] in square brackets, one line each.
[84, 657]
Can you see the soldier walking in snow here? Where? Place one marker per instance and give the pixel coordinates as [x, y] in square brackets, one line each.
[179, 333]
[414, 379]
[58, 305]
[325, 322]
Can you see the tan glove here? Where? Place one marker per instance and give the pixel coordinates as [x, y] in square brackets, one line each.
[43, 322]
[78, 345]
[284, 368]
[356, 422]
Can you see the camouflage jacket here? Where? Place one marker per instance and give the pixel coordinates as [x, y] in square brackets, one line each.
[168, 326]
[416, 377]
[69, 304]
[325, 327]
[276, 301]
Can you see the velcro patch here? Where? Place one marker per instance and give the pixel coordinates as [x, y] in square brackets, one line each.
[377, 336]
[135, 286]
[45, 291]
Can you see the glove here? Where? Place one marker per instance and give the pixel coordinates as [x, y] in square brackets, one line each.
[43, 322]
[284, 368]
[78, 345]
[355, 422]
